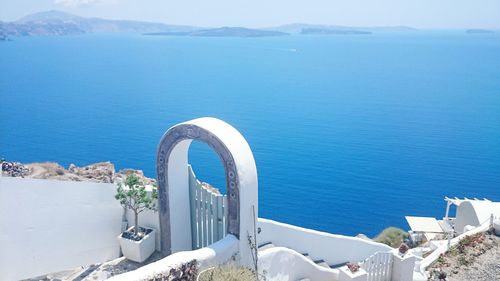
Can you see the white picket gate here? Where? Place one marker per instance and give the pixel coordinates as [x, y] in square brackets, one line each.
[378, 266]
[208, 213]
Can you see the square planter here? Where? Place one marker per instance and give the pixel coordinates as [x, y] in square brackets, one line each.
[141, 250]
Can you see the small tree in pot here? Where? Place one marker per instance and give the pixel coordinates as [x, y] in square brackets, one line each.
[137, 243]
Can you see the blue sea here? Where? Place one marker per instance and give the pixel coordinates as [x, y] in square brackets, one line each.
[350, 133]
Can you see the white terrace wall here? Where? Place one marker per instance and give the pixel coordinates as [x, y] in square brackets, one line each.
[220, 252]
[48, 226]
[283, 264]
[332, 248]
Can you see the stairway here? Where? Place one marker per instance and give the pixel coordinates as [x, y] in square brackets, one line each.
[319, 262]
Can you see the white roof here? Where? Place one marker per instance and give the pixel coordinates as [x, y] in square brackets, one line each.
[424, 224]
[475, 213]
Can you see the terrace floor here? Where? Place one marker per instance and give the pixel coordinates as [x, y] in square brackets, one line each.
[95, 272]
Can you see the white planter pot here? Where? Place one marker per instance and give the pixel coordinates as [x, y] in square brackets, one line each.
[138, 251]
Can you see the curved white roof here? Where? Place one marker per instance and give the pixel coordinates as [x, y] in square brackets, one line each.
[475, 213]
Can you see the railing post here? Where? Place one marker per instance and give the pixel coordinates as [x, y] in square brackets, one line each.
[220, 217]
[199, 217]
[192, 203]
[402, 266]
[345, 274]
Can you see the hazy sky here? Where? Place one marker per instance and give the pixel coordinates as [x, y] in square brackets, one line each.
[261, 13]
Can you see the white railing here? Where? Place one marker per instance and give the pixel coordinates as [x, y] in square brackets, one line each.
[378, 266]
[208, 213]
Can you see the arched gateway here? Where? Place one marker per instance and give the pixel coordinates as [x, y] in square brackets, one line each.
[172, 170]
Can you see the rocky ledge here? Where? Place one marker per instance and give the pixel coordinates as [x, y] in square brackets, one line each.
[98, 172]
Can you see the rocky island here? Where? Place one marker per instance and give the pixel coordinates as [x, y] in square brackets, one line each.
[299, 28]
[478, 31]
[224, 32]
[329, 31]
[60, 23]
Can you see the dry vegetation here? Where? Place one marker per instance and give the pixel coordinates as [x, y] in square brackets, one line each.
[185, 272]
[476, 257]
[227, 273]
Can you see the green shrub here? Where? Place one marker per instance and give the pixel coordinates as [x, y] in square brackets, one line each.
[465, 261]
[135, 197]
[392, 236]
[453, 251]
[227, 273]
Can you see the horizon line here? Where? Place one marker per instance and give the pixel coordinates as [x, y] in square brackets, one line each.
[416, 28]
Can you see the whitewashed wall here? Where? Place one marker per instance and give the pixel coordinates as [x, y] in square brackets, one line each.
[332, 248]
[48, 226]
[283, 264]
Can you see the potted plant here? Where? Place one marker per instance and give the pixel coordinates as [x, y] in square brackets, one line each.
[137, 243]
[353, 267]
[403, 249]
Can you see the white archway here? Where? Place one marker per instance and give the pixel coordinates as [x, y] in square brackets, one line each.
[241, 182]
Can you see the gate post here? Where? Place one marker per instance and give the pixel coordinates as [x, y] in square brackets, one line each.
[403, 267]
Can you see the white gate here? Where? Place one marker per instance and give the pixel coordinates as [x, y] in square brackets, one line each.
[208, 213]
[378, 266]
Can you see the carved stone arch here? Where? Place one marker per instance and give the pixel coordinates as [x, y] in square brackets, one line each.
[214, 133]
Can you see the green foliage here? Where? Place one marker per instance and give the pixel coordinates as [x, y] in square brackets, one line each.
[392, 236]
[442, 261]
[464, 261]
[134, 196]
[453, 251]
[467, 241]
[227, 273]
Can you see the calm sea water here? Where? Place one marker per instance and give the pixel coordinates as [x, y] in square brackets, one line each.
[350, 133]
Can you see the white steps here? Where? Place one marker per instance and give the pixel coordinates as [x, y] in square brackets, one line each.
[319, 262]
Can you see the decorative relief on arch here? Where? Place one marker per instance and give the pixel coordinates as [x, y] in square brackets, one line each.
[192, 132]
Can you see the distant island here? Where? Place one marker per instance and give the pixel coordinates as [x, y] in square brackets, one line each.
[327, 31]
[224, 32]
[60, 23]
[299, 28]
[478, 31]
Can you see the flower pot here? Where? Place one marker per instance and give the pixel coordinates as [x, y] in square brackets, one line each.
[138, 251]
